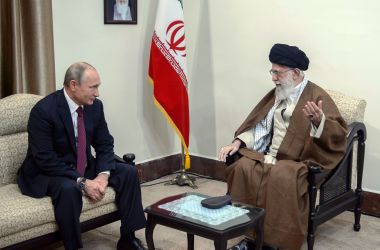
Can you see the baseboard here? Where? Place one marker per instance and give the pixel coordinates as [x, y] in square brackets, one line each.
[157, 168]
[204, 166]
[371, 204]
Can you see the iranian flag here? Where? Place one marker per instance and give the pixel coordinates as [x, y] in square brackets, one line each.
[168, 71]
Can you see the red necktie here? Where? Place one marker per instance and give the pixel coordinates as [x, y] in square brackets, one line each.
[81, 145]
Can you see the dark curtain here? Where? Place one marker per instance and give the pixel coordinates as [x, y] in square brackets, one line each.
[27, 47]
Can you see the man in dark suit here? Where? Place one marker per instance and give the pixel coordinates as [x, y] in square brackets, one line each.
[62, 127]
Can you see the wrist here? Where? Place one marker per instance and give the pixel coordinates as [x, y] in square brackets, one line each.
[237, 142]
[103, 177]
[82, 183]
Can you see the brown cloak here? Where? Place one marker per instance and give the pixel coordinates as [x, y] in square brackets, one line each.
[282, 189]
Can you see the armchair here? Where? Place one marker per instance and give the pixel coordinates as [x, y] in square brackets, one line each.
[26, 222]
[342, 189]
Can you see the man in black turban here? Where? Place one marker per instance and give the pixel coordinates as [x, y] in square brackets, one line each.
[287, 129]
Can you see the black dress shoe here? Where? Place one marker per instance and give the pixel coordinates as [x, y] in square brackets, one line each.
[243, 245]
[249, 244]
[134, 244]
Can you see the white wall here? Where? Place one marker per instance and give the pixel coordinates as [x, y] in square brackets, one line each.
[120, 53]
[228, 44]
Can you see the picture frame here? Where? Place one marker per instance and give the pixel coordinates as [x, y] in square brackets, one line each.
[120, 11]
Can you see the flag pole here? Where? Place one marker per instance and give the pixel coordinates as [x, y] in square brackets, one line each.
[182, 178]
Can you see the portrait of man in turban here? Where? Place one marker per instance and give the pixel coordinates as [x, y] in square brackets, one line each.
[120, 11]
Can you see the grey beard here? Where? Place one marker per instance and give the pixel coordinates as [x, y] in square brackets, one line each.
[284, 90]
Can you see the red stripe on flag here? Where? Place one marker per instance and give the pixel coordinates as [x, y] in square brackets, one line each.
[170, 92]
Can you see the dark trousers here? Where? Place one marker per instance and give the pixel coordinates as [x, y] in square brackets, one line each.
[67, 200]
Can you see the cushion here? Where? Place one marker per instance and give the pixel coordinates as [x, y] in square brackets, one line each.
[20, 215]
[14, 112]
[14, 115]
[351, 108]
[12, 153]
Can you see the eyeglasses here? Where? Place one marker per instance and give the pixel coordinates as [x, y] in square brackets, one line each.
[277, 73]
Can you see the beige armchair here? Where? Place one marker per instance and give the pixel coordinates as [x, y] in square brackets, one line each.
[27, 222]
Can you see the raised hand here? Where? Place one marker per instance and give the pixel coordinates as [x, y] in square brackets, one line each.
[313, 112]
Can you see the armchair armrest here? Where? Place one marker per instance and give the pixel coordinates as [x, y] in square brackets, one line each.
[356, 130]
[315, 169]
[128, 158]
[316, 174]
[338, 181]
[232, 158]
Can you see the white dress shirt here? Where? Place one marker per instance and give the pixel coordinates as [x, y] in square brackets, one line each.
[74, 116]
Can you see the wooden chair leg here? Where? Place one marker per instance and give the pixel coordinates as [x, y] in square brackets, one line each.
[310, 241]
[357, 220]
[358, 211]
[313, 211]
[359, 193]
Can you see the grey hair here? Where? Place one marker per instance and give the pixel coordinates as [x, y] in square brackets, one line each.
[75, 72]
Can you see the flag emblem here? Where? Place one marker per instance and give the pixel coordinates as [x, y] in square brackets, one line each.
[176, 34]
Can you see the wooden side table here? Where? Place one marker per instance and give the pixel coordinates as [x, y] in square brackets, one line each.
[220, 234]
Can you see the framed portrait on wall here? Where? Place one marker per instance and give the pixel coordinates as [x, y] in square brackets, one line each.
[120, 11]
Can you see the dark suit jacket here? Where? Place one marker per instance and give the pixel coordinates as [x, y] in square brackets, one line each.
[52, 148]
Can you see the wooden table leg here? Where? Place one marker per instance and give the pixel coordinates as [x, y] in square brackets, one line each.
[190, 241]
[259, 229]
[150, 225]
[220, 244]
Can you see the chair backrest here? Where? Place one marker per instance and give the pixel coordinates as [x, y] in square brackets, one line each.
[351, 108]
[14, 115]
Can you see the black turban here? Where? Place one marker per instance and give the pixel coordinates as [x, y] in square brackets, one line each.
[290, 56]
